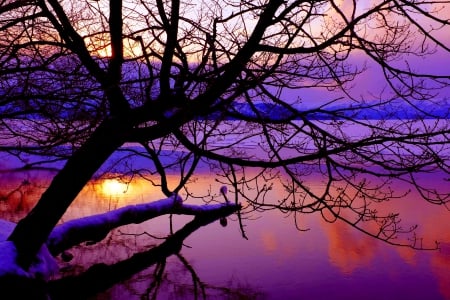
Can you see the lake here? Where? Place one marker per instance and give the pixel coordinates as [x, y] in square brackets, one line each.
[328, 261]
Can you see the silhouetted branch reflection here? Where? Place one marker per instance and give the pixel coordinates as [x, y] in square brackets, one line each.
[18, 192]
[100, 277]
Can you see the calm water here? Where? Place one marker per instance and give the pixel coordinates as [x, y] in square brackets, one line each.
[329, 261]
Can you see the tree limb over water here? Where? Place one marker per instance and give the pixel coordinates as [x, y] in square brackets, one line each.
[101, 277]
[94, 228]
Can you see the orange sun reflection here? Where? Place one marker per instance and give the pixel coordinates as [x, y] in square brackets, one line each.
[114, 187]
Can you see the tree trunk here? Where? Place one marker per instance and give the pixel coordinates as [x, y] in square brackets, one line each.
[32, 231]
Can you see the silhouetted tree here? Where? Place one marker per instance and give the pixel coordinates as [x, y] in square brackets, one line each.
[227, 83]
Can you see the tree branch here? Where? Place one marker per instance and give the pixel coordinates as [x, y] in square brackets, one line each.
[94, 228]
[101, 276]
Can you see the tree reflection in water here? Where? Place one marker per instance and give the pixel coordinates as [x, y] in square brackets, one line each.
[19, 191]
[161, 272]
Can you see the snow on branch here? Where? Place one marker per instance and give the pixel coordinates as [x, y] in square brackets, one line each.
[95, 228]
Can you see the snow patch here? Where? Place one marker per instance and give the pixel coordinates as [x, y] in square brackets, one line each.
[44, 267]
[8, 266]
[94, 228]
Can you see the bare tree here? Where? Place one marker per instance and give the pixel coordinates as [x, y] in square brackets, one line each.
[198, 81]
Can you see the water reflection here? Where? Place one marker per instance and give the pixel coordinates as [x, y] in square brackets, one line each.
[19, 192]
[100, 277]
[278, 261]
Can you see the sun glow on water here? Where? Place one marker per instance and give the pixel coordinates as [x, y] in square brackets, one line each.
[114, 187]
